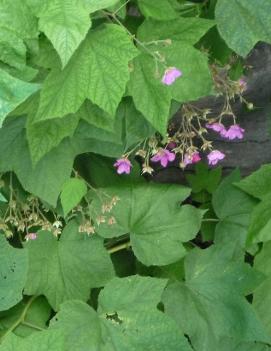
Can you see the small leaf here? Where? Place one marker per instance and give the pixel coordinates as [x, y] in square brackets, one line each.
[13, 272]
[72, 193]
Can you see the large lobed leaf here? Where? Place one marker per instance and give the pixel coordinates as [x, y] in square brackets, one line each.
[157, 224]
[68, 268]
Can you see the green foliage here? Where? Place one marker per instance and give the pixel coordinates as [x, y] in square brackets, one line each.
[132, 265]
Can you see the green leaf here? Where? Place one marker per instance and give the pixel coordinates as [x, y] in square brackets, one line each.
[233, 207]
[262, 298]
[204, 179]
[68, 268]
[260, 224]
[48, 176]
[154, 100]
[188, 30]
[65, 23]
[36, 316]
[127, 319]
[16, 15]
[13, 271]
[243, 23]
[44, 341]
[95, 116]
[94, 5]
[44, 136]
[196, 80]
[72, 193]
[157, 224]
[258, 184]
[211, 303]
[12, 93]
[98, 70]
[162, 10]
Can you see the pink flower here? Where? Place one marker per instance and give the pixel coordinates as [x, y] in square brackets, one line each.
[123, 165]
[163, 156]
[243, 84]
[170, 75]
[217, 127]
[215, 156]
[234, 132]
[189, 159]
[31, 236]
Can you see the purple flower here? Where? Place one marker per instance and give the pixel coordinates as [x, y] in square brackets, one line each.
[163, 156]
[189, 159]
[123, 165]
[31, 236]
[234, 132]
[170, 75]
[217, 127]
[215, 156]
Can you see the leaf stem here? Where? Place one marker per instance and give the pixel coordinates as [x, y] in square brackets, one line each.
[119, 247]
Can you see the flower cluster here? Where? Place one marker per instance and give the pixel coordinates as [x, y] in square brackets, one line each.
[188, 143]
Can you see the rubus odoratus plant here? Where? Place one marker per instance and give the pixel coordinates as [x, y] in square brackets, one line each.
[93, 255]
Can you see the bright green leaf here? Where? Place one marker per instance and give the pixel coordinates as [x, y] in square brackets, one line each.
[72, 193]
[157, 224]
[204, 179]
[13, 271]
[65, 23]
[98, 70]
[154, 100]
[68, 268]
[243, 23]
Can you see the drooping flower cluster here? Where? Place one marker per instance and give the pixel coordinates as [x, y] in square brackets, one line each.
[188, 143]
